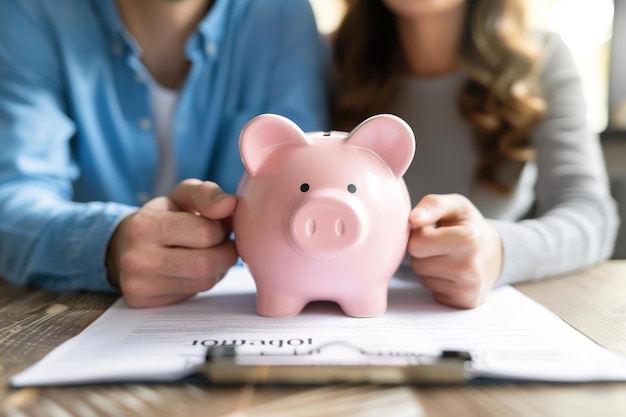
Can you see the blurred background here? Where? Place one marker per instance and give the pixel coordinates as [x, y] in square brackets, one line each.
[586, 26]
[595, 32]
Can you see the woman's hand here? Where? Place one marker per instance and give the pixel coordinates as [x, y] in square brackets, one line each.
[173, 247]
[455, 252]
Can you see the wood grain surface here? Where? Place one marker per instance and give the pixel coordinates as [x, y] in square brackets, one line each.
[33, 322]
[592, 301]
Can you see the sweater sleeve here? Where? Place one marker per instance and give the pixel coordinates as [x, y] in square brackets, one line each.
[576, 219]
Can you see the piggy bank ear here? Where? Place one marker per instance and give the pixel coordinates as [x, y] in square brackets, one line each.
[388, 136]
[263, 135]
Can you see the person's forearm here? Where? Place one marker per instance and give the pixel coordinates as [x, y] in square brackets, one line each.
[53, 243]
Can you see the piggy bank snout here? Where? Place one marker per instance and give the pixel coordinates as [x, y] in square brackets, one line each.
[326, 225]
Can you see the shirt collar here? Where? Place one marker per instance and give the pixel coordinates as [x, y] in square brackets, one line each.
[107, 10]
[214, 25]
[210, 29]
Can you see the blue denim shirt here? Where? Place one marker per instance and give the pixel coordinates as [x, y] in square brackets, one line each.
[77, 147]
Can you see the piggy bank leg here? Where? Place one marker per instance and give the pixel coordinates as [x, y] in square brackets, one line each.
[276, 304]
[366, 304]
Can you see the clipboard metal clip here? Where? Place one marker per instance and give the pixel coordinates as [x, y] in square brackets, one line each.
[233, 365]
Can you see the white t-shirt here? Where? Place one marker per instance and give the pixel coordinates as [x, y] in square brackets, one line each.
[164, 102]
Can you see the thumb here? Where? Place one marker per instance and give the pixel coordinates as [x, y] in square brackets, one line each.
[203, 197]
[441, 208]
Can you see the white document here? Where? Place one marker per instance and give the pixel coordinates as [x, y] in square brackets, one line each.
[510, 336]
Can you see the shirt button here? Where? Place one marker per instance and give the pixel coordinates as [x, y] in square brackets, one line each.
[210, 48]
[142, 197]
[145, 123]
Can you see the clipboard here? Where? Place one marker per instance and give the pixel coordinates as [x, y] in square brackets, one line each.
[230, 365]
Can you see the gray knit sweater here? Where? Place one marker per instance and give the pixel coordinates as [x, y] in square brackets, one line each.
[560, 216]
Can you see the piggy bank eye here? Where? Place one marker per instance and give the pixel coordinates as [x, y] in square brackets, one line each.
[304, 187]
[352, 188]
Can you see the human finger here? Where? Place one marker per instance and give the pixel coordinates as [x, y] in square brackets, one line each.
[441, 209]
[460, 299]
[199, 263]
[436, 284]
[452, 291]
[175, 228]
[449, 293]
[439, 266]
[203, 197]
[157, 291]
[177, 262]
[431, 241]
[464, 271]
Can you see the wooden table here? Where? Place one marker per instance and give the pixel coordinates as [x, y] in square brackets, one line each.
[32, 322]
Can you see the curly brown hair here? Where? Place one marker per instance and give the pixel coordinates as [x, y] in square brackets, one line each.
[500, 99]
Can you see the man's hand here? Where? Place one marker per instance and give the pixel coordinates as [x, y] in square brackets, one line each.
[454, 251]
[173, 247]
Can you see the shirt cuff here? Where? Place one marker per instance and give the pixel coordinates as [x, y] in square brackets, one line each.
[88, 251]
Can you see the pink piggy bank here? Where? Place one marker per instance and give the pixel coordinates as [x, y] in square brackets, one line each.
[323, 215]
